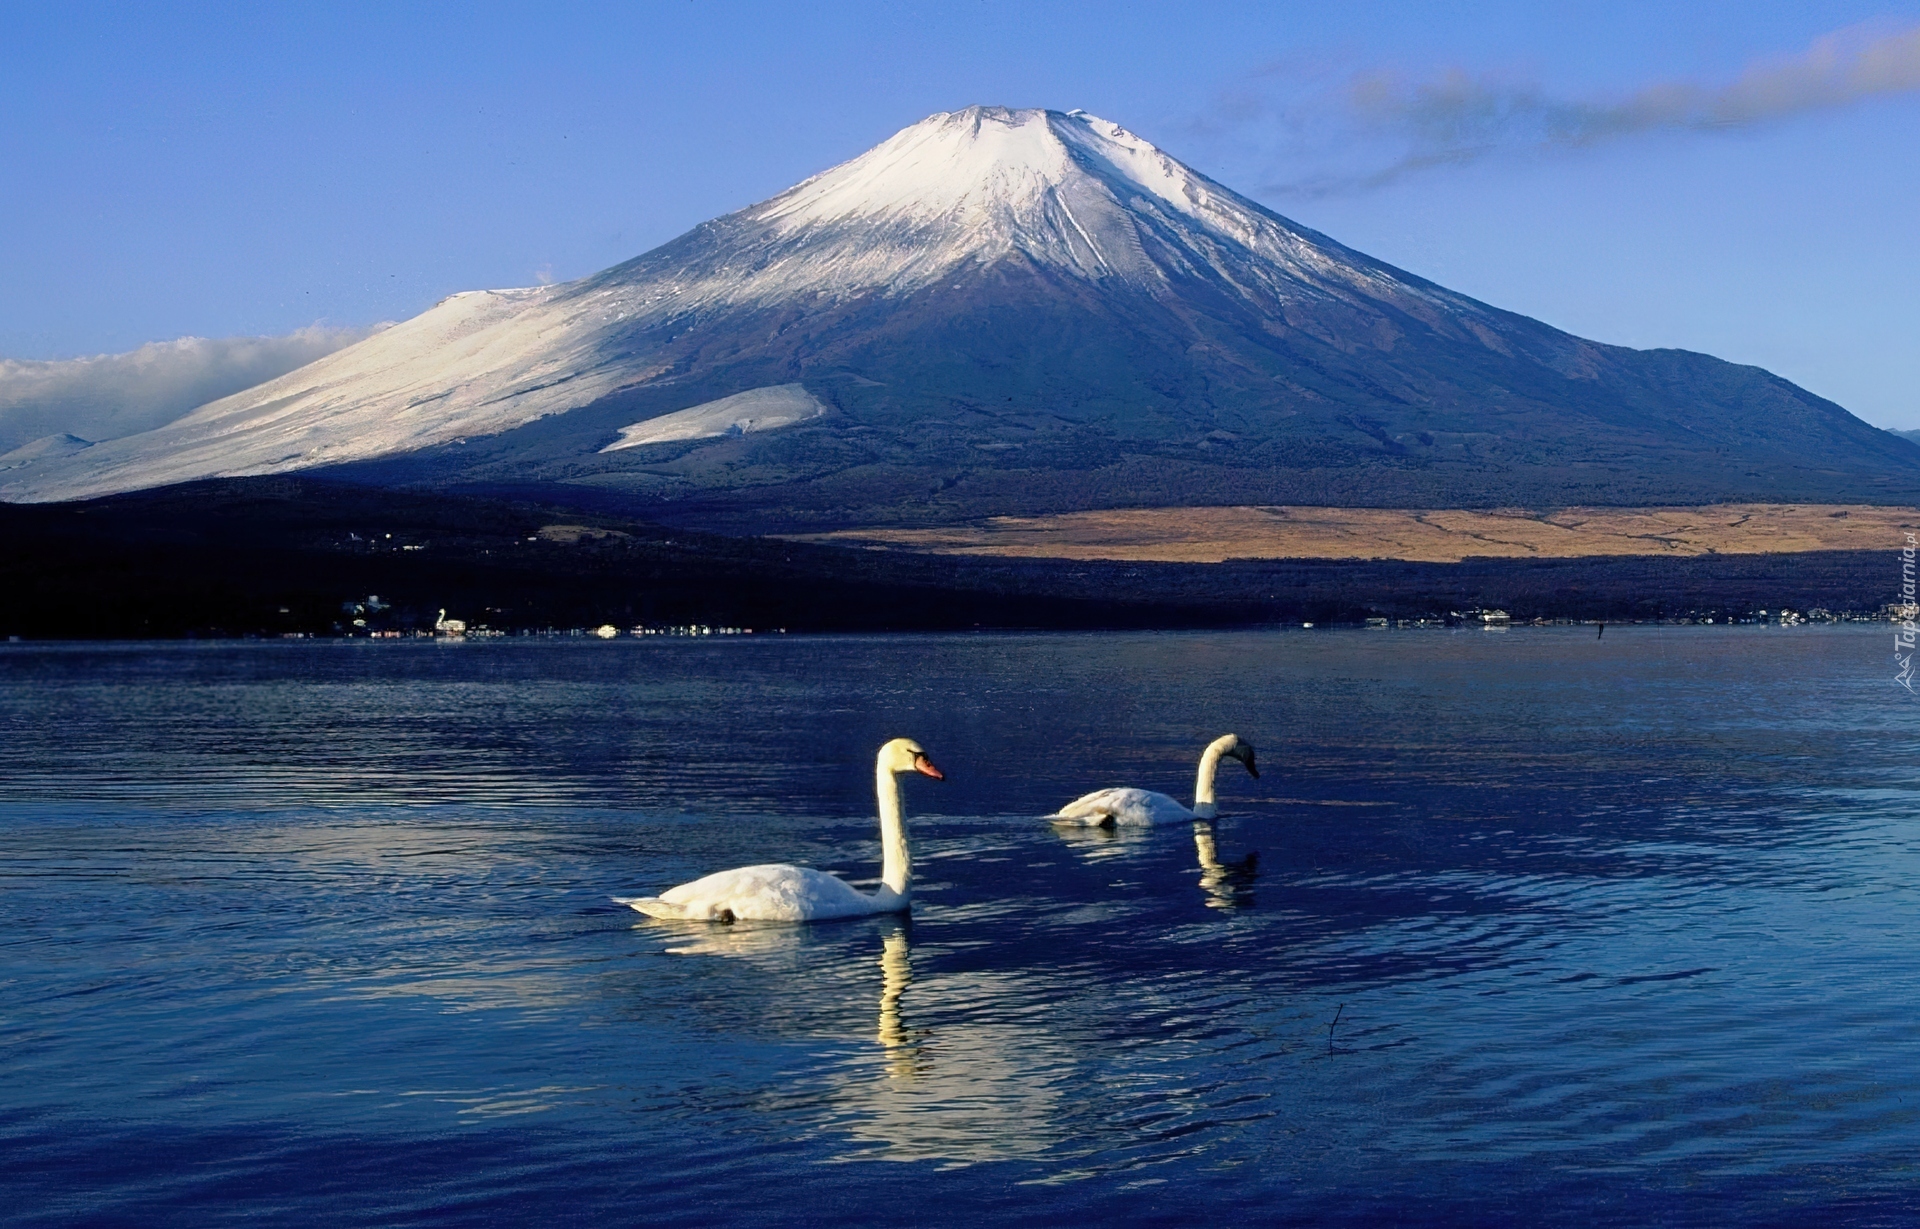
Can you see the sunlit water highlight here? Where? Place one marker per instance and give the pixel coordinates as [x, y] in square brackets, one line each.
[1541, 929]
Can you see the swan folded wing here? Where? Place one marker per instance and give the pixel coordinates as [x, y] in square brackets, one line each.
[1130, 807]
[652, 906]
[772, 893]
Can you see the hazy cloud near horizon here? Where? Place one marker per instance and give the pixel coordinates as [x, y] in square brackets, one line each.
[1406, 124]
[110, 395]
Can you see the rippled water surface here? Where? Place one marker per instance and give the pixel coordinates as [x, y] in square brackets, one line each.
[1520, 928]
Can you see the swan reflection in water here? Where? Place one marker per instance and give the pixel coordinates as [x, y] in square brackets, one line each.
[902, 1045]
[984, 1084]
[1227, 884]
[963, 1069]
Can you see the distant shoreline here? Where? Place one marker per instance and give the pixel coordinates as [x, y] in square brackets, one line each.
[273, 557]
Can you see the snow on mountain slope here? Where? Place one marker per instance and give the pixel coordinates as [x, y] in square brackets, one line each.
[46, 448]
[474, 364]
[757, 409]
[963, 189]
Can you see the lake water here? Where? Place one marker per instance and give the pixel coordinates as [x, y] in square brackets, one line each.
[1542, 929]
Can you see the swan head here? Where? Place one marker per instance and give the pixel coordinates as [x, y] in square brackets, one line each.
[906, 755]
[1238, 748]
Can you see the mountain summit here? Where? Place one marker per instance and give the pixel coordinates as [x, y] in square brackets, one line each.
[1005, 311]
[1070, 193]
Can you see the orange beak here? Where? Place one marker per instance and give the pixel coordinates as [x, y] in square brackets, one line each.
[923, 765]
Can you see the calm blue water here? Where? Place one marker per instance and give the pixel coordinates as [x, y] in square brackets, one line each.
[1542, 930]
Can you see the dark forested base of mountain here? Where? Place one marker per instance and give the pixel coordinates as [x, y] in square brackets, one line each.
[274, 556]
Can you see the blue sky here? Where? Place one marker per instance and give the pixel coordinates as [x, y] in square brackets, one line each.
[1604, 167]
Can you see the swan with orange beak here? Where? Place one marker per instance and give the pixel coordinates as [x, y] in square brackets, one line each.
[781, 893]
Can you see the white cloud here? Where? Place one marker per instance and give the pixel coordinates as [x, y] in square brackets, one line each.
[1408, 124]
[111, 395]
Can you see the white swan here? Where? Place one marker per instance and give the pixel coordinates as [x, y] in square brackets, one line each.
[1129, 806]
[780, 893]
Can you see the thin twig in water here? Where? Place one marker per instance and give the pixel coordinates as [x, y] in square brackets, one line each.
[1334, 1023]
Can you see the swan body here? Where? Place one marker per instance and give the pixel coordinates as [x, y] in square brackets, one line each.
[776, 892]
[771, 893]
[1142, 807]
[1126, 806]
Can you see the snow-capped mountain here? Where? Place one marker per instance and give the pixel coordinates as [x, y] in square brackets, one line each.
[1007, 310]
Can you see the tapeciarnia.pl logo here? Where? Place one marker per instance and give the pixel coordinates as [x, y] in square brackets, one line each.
[1903, 634]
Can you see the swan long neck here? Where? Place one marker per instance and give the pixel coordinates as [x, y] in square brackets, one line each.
[1203, 803]
[896, 860]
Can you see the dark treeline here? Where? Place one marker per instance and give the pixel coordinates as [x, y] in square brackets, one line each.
[278, 555]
